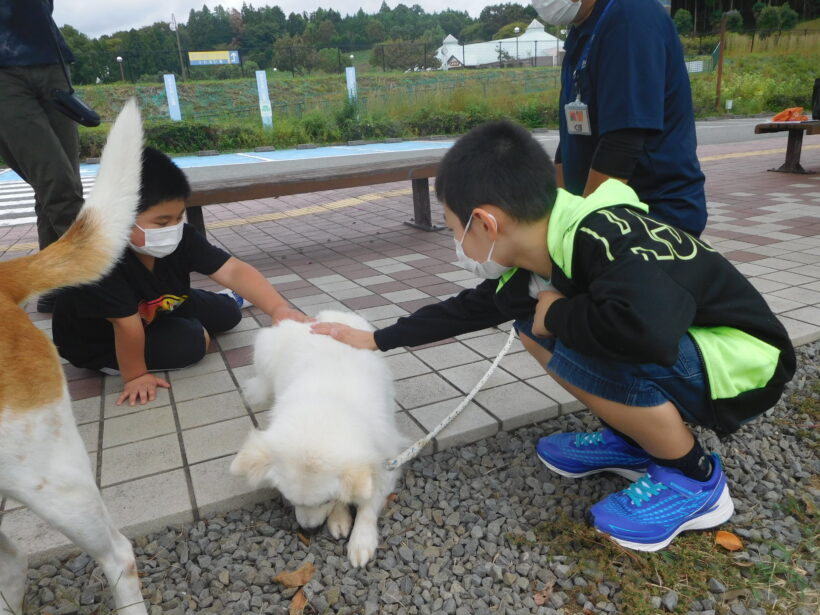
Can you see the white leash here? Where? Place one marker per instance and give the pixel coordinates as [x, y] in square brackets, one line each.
[415, 449]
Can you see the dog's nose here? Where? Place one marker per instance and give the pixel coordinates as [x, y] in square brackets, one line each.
[310, 531]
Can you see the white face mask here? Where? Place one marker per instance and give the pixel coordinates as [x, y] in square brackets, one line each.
[489, 269]
[557, 12]
[159, 242]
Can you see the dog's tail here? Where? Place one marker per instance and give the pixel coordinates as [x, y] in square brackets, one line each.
[92, 245]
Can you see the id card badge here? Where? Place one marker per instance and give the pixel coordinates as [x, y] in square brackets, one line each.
[577, 116]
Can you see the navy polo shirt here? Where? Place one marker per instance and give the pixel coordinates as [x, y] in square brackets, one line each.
[26, 38]
[635, 77]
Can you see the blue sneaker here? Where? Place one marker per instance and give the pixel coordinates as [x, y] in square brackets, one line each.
[648, 514]
[581, 454]
[240, 300]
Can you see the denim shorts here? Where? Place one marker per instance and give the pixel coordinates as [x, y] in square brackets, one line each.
[634, 384]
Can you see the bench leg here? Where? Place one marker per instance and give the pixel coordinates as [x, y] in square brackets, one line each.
[794, 146]
[196, 219]
[422, 219]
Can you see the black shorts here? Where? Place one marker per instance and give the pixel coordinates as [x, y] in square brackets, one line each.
[176, 339]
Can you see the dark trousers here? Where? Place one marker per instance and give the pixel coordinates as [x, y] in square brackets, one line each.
[41, 145]
[176, 339]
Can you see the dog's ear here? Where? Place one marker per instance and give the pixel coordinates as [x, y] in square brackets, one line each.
[357, 484]
[254, 460]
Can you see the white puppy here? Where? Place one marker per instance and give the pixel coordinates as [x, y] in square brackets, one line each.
[43, 462]
[332, 426]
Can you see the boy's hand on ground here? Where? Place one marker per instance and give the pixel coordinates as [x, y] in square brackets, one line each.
[347, 335]
[142, 389]
[288, 313]
[545, 299]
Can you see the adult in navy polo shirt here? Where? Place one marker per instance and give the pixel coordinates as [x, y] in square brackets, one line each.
[625, 60]
[37, 141]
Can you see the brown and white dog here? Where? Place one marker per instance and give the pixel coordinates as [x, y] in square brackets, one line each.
[43, 462]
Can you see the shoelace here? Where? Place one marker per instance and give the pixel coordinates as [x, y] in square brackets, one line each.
[642, 489]
[588, 439]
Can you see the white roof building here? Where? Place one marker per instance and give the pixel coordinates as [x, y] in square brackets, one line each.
[533, 47]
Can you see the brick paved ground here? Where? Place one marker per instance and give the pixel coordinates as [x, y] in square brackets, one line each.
[167, 462]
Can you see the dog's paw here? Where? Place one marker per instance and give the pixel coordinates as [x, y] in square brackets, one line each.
[362, 545]
[339, 521]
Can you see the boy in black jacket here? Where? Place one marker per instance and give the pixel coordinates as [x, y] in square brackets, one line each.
[648, 326]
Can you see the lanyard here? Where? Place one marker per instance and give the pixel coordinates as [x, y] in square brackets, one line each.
[582, 61]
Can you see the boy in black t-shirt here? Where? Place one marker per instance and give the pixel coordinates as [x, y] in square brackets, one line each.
[144, 316]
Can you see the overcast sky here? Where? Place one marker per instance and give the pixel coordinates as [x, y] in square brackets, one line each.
[97, 17]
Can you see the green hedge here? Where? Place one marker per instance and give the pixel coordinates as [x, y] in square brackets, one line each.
[347, 124]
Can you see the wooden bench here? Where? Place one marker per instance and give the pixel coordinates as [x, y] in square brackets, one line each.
[274, 179]
[794, 145]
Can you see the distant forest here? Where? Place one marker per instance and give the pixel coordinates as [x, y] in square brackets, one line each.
[266, 37]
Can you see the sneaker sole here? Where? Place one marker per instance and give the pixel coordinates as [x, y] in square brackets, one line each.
[721, 513]
[625, 472]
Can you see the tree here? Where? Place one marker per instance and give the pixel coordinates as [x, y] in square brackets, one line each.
[508, 31]
[788, 17]
[768, 20]
[683, 22]
[324, 34]
[404, 55]
[734, 21]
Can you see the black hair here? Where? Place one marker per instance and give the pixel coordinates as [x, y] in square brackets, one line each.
[162, 180]
[498, 163]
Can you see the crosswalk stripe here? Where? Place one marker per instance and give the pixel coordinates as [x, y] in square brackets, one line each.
[17, 201]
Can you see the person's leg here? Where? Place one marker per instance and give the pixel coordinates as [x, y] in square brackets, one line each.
[687, 488]
[217, 312]
[40, 147]
[174, 343]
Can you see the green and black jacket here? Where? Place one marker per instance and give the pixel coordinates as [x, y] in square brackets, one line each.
[633, 286]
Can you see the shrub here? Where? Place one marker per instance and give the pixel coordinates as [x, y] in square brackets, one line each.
[319, 128]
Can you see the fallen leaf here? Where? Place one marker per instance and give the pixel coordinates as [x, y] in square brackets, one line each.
[296, 578]
[393, 497]
[303, 539]
[540, 598]
[298, 604]
[728, 541]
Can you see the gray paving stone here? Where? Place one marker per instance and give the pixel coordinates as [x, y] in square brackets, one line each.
[210, 363]
[138, 426]
[90, 434]
[230, 340]
[465, 377]
[211, 409]
[216, 440]
[216, 489]
[490, 345]
[517, 405]
[202, 386]
[472, 424]
[423, 390]
[447, 355]
[87, 410]
[405, 365]
[130, 461]
[413, 432]
[149, 504]
[410, 294]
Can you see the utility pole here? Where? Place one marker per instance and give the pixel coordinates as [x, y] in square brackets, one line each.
[721, 52]
[179, 47]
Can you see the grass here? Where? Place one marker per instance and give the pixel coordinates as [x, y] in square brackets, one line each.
[770, 575]
[778, 581]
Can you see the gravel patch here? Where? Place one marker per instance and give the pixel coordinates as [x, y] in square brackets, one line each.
[458, 539]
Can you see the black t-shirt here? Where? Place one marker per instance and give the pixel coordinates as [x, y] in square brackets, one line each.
[79, 325]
